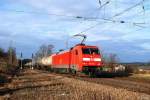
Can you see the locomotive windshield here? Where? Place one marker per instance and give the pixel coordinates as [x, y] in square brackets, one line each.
[90, 51]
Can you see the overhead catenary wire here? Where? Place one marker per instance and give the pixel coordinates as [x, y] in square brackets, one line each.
[113, 21]
[81, 34]
[118, 14]
[87, 18]
[121, 21]
[52, 14]
[100, 3]
[94, 18]
[89, 28]
[107, 2]
[64, 15]
[102, 6]
[42, 13]
[81, 17]
[128, 9]
[143, 8]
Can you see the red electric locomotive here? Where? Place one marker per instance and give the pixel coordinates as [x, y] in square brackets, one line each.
[80, 58]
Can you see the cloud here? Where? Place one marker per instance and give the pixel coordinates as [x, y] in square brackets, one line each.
[4, 34]
[35, 26]
[145, 46]
[96, 37]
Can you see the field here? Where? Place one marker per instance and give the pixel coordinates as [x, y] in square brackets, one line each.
[40, 85]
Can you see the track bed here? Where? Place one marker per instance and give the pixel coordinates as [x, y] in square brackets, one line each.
[129, 83]
[120, 83]
[40, 85]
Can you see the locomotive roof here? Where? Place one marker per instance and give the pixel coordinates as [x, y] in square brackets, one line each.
[83, 45]
[80, 45]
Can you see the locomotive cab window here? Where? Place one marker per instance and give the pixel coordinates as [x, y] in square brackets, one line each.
[86, 51]
[90, 51]
[94, 51]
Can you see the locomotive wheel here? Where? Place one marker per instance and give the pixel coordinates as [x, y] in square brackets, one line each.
[92, 74]
[73, 71]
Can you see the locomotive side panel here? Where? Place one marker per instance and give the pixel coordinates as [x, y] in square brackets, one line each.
[60, 60]
[76, 59]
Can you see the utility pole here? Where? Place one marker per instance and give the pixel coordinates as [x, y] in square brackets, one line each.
[32, 61]
[10, 53]
[10, 56]
[21, 60]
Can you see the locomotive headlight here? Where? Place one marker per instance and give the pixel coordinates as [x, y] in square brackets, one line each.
[97, 59]
[86, 59]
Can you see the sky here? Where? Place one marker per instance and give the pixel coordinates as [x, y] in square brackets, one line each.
[27, 24]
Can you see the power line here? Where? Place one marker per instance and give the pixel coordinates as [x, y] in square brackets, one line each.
[99, 1]
[124, 11]
[102, 6]
[87, 18]
[143, 8]
[118, 14]
[63, 15]
[107, 2]
[128, 9]
[81, 17]
[33, 12]
[52, 14]
[89, 28]
[114, 21]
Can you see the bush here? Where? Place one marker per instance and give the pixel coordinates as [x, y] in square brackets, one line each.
[12, 70]
[130, 69]
[4, 79]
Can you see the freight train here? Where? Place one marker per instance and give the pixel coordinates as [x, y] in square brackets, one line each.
[80, 58]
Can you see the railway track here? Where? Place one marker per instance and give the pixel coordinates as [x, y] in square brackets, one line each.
[36, 84]
[125, 83]
[129, 85]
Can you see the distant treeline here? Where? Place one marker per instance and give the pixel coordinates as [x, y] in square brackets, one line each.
[23, 62]
[137, 64]
[8, 64]
[8, 57]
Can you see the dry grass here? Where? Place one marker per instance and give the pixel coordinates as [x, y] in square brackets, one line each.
[42, 86]
[147, 76]
[105, 92]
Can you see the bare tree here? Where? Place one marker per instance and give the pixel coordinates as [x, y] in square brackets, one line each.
[12, 59]
[113, 60]
[44, 51]
[8, 61]
[50, 49]
[110, 60]
[1, 52]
